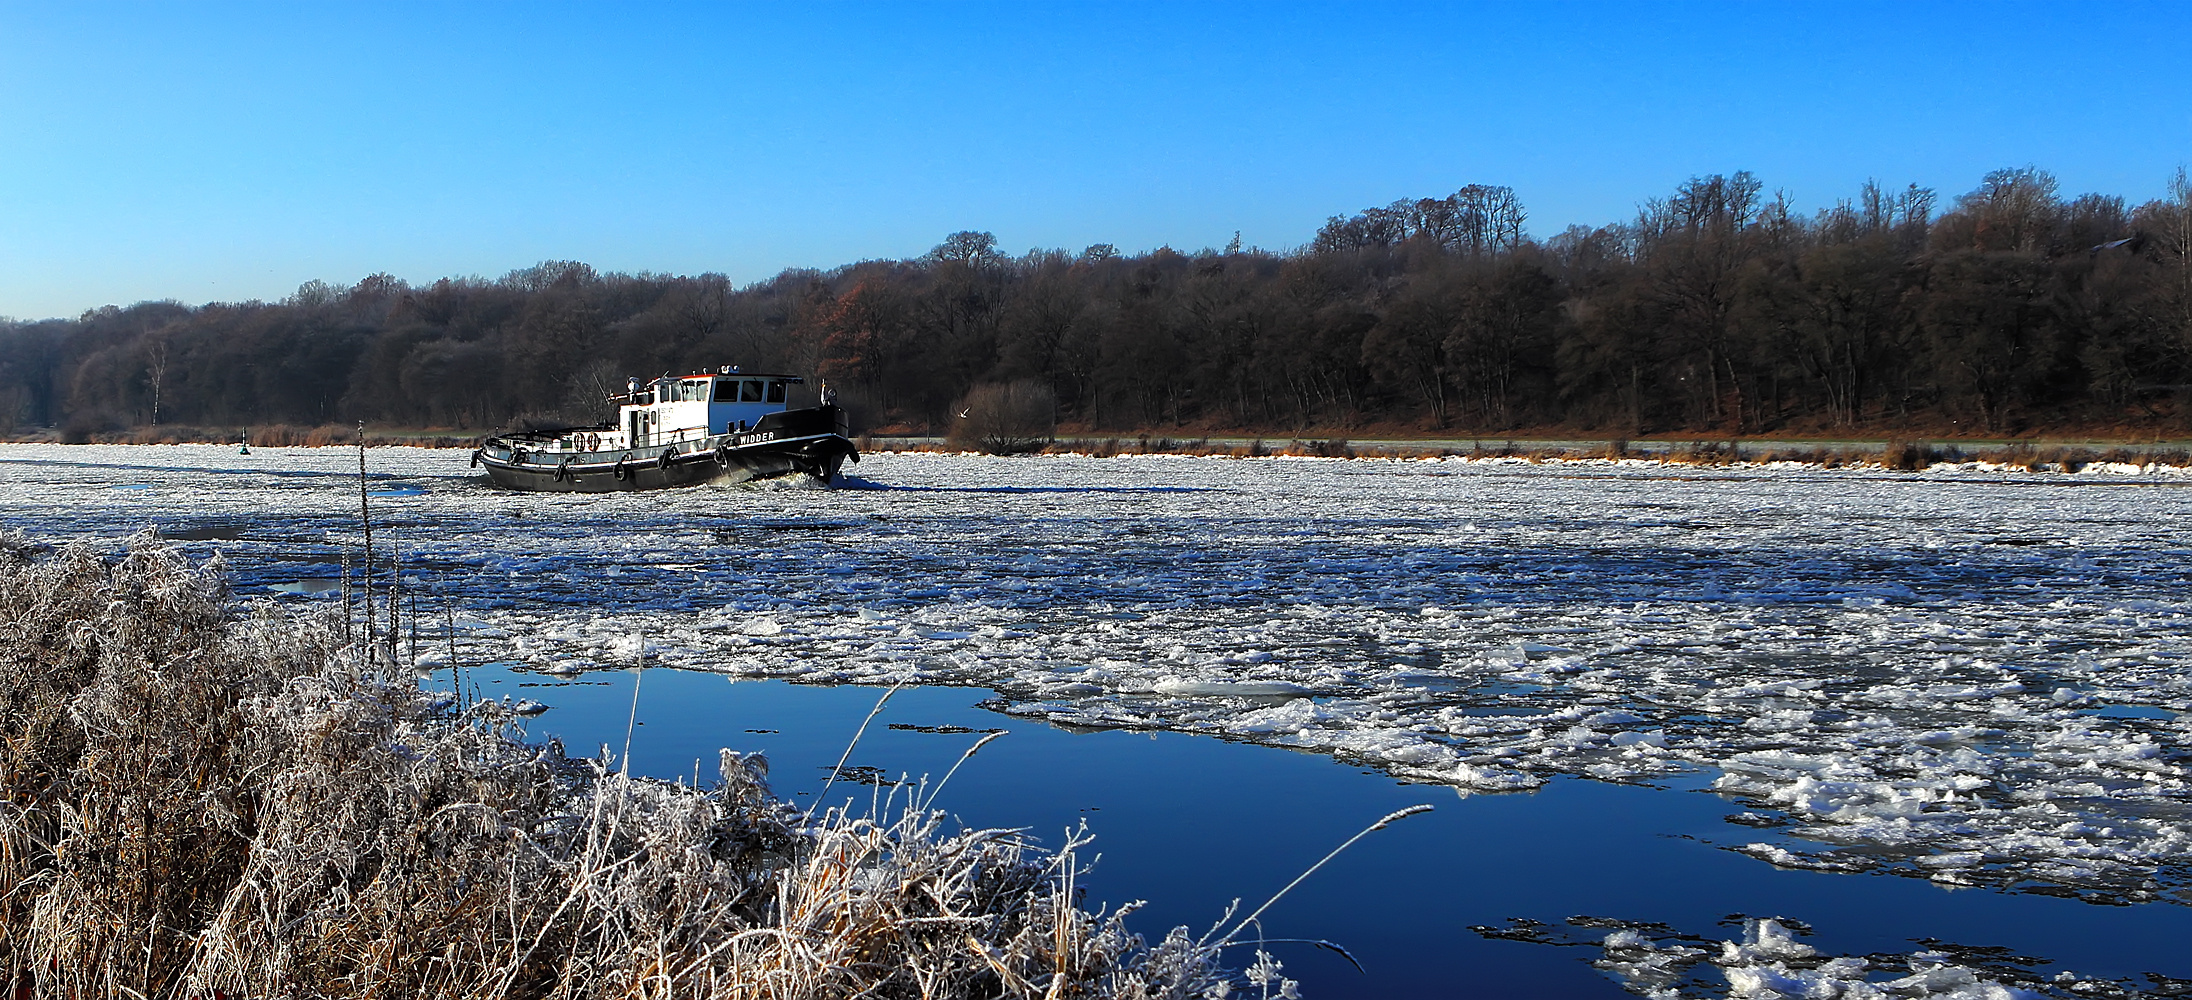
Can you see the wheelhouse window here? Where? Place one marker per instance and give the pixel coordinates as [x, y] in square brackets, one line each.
[776, 392]
[726, 390]
[749, 391]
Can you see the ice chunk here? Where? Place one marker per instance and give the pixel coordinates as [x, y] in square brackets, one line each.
[1182, 687]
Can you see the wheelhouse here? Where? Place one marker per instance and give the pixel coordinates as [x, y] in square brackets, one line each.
[674, 409]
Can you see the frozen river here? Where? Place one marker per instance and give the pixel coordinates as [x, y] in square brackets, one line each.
[1970, 678]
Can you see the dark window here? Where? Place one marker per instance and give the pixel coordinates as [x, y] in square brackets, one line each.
[750, 393]
[726, 390]
[776, 392]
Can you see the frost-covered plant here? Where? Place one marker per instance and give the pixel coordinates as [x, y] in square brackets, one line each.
[198, 804]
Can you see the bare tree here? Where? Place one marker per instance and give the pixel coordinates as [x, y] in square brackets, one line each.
[156, 373]
[968, 247]
[2014, 208]
[591, 387]
[2175, 218]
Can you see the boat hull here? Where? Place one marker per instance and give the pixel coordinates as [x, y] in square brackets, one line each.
[767, 452]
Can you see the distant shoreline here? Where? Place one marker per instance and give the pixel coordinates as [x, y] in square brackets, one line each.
[1384, 436]
[1895, 454]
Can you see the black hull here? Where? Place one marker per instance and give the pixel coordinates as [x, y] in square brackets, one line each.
[819, 459]
[731, 459]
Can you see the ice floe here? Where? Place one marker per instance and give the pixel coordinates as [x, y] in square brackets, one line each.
[1964, 675]
[1771, 961]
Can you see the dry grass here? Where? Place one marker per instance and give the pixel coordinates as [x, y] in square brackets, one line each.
[1708, 453]
[1897, 455]
[260, 436]
[204, 805]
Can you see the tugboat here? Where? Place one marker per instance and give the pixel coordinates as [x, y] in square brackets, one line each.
[725, 425]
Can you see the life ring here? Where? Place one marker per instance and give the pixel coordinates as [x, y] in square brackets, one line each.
[723, 455]
[563, 470]
[622, 471]
[593, 442]
[668, 454]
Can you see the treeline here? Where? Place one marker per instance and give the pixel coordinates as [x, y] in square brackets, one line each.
[1719, 307]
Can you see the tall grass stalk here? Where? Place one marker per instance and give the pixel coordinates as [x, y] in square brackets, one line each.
[639, 673]
[855, 741]
[456, 666]
[348, 631]
[930, 800]
[1387, 820]
[365, 520]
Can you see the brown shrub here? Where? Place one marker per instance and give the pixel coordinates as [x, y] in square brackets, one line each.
[1006, 418]
[1906, 456]
[1328, 448]
[329, 434]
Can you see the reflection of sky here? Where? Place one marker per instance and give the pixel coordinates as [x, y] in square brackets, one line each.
[1190, 823]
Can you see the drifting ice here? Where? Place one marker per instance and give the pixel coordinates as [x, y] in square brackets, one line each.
[1941, 674]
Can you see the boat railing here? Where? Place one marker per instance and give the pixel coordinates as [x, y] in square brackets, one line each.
[675, 437]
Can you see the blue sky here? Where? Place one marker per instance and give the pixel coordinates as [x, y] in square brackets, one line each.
[219, 152]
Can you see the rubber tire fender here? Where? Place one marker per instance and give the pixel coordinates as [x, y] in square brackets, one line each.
[476, 453]
[663, 462]
[723, 456]
[563, 470]
[517, 456]
[623, 471]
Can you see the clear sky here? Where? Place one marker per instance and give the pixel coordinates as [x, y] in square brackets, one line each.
[217, 152]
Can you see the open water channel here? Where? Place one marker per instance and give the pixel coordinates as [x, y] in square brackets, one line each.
[1933, 722]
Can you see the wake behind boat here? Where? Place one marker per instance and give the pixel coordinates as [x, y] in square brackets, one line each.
[724, 425]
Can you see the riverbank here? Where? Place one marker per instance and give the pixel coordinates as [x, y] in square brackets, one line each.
[201, 805]
[262, 435]
[1897, 455]
[2039, 454]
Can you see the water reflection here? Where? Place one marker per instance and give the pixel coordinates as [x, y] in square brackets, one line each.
[1191, 823]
